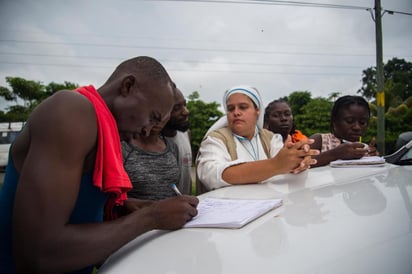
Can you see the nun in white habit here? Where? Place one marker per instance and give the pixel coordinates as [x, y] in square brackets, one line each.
[237, 150]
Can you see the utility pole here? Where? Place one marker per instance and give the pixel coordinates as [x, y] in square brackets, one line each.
[380, 93]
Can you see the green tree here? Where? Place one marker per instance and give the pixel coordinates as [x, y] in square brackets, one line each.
[27, 94]
[26, 91]
[397, 82]
[297, 100]
[17, 113]
[53, 87]
[315, 117]
[202, 116]
[334, 95]
[397, 119]
[399, 72]
[21, 89]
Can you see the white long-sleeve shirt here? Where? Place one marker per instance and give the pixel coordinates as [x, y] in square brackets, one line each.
[182, 140]
[214, 158]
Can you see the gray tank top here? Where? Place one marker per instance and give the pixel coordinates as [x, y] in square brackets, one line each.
[151, 172]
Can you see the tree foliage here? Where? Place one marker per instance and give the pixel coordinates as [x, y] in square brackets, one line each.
[202, 116]
[397, 120]
[397, 82]
[21, 89]
[297, 100]
[315, 116]
[311, 115]
[27, 94]
[53, 87]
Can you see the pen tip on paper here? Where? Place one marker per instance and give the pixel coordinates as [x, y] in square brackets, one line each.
[175, 189]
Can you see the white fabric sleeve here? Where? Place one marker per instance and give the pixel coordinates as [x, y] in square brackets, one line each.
[212, 160]
[276, 145]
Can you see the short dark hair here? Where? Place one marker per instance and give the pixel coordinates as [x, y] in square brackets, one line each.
[148, 67]
[270, 106]
[269, 109]
[345, 102]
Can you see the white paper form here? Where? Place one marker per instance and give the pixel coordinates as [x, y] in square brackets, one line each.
[362, 162]
[230, 213]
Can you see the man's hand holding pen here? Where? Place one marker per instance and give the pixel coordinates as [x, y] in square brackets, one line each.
[175, 189]
[167, 214]
[173, 213]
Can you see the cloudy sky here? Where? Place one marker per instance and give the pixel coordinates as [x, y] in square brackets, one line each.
[206, 46]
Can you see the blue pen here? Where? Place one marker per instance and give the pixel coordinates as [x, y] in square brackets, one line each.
[175, 189]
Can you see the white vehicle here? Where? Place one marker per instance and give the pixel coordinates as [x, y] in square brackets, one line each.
[354, 220]
[8, 132]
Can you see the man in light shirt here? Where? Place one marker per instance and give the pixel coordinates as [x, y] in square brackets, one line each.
[177, 129]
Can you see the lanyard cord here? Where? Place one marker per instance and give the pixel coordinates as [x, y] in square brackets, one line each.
[255, 154]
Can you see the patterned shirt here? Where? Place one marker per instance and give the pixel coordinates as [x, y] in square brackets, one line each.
[329, 141]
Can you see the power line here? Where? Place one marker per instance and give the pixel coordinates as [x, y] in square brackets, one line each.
[182, 48]
[288, 3]
[399, 12]
[309, 4]
[273, 2]
[186, 70]
[174, 61]
[256, 2]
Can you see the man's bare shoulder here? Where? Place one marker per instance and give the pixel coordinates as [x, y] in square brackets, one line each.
[66, 121]
[66, 114]
[63, 113]
[68, 98]
[64, 106]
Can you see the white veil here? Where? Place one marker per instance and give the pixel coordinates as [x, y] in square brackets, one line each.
[252, 93]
